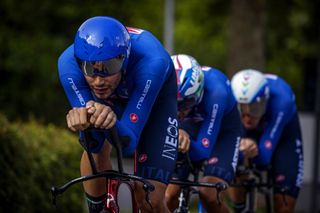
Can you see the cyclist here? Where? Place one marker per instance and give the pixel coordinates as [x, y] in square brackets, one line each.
[123, 77]
[209, 123]
[272, 134]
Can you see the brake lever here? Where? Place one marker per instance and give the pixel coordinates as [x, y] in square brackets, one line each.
[148, 189]
[220, 187]
[54, 196]
[283, 191]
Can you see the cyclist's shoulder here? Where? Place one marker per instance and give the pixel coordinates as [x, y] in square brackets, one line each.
[216, 82]
[146, 48]
[214, 74]
[280, 91]
[276, 81]
[66, 54]
[147, 55]
[67, 63]
[210, 70]
[144, 42]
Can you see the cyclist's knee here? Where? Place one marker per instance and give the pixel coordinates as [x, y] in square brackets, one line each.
[171, 196]
[172, 192]
[105, 150]
[210, 194]
[102, 158]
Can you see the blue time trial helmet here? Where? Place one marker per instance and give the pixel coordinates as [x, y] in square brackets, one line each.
[105, 40]
[190, 79]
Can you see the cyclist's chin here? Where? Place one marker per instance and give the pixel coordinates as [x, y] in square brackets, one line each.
[250, 122]
[102, 95]
[250, 125]
[180, 116]
[183, 113]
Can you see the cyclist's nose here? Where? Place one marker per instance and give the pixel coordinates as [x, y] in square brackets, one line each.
[98, 65]
[98, 80]
[246, 117]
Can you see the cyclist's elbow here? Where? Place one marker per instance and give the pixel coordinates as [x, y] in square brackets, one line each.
[263, 160]
[129, 150]
[199, 156]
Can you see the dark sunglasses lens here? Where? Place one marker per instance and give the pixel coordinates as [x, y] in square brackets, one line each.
[87, 68]
[102, 68]
[113, 66]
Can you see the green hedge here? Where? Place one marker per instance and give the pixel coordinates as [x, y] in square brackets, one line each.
[32, 159]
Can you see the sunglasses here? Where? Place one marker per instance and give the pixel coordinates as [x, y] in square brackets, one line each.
[256, 109]
[101, 68]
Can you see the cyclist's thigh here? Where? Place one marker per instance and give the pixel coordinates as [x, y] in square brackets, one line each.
[157, 149]
[172, 190]
[223, 160]
[287, 162]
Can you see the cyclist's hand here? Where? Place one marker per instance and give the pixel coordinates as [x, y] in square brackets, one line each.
[77, 119]
[101, 116]
[249, 148]
[184, 141]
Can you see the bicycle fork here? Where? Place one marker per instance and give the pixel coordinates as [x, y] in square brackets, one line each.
[112, 196]
[183, 201]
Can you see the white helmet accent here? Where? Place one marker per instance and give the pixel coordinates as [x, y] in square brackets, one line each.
[249, 86]
[190, 77]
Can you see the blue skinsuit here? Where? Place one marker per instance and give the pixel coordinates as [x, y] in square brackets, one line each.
[278, 135]
[148, 84]
[215, 128]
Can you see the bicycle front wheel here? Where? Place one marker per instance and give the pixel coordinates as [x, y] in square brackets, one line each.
[181, 210]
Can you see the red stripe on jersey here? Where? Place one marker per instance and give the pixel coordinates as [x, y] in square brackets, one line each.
[134, 30]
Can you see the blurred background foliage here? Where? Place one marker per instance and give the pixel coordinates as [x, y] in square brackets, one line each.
[33, 158]
[283, 38]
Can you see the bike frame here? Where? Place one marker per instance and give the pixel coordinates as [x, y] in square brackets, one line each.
[113, 178]
[189, 187]
[255, 184]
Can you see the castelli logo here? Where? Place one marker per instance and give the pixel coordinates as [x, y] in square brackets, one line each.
[268, 144]
[143, 158]
[213, 160]
[205, 142]
[280, 178]
[134, 117]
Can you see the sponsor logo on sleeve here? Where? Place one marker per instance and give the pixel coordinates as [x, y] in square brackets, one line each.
[299, 152]
[213, 160]
[236, 155]
[134, 117]
[144, 94]
[214, 112]
[276, 125]
[205, 142]
[142, 158]
[268, 144]
[280, 178]
[75, 89]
